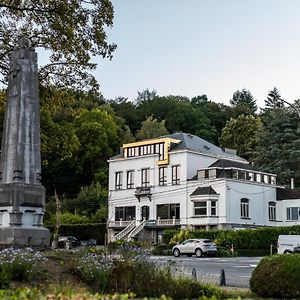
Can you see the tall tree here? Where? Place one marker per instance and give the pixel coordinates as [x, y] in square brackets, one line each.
[151, 128]
[243, 103]
[217, 113]
[241, 134]
[274, 99]
[72, 32]
[279, 148]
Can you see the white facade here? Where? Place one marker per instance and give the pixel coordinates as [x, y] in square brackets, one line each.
[185, 181]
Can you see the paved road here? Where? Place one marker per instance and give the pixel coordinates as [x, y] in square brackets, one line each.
[237, 269]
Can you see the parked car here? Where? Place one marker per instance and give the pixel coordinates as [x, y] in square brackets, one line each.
[199, 247]
[68, 242]
[288, 244]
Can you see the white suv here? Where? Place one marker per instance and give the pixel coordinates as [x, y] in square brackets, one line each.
[199, 247]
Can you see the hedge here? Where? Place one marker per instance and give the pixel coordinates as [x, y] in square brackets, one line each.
[245, 240]
[277, 276]
[83, 232]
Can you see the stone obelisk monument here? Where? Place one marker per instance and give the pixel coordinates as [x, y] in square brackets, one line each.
[22, 196]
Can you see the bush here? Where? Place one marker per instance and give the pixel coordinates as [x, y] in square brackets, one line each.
[18, 264]
[277, 276]
[140, 276]
[162, 249]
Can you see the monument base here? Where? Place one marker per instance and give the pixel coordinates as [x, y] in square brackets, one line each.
[16, 236]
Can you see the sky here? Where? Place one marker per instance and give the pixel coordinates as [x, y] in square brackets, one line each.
[195, 47]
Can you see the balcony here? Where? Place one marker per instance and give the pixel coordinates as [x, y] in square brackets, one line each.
[163, 222]
[118, 224]
[143, 191]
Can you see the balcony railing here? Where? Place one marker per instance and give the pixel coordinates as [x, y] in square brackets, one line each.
[163, 222]
[143, 191]
[119, 224]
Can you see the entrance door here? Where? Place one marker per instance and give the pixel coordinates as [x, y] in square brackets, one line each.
[145, 213]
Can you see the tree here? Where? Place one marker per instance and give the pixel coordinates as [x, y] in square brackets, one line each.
[217, 113]
[241, 134]
[243, 103]
[274, 99]
[278, 151]
[179, 115]
[72, 32]
[151, 128]
[97, 132]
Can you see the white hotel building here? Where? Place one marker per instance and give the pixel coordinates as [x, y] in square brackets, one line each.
[183, 181]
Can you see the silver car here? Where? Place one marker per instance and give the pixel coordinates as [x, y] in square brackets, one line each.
[199, 247]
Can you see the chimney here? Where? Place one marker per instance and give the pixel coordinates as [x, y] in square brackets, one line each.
[292, 183]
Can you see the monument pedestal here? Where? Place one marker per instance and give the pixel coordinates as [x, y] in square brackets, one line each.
[21, 215]
[17, 236]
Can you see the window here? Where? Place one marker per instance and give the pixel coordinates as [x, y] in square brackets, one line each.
[292, 213]
[175, 175]
[213, 208]
[118, 180]
[130, 183]
[200, 208]
[272, 211]
[145, 178]
[162, 175]
[125, 213]
[206, 173]
[244, 208]
[168, 211]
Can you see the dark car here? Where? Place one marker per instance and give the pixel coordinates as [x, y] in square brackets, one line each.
[68, 242]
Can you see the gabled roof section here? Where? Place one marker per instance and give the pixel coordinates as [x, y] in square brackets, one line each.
[197, 144]
[287, 194]
[225, 163]
[204, 190]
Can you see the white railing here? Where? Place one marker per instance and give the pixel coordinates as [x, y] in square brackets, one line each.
[166, 222]
[125, 231]
[119, 223]
[136, 230]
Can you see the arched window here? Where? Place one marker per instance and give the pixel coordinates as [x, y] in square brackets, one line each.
[272, 211]
[244, 208]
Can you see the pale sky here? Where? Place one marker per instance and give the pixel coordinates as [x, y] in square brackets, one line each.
[195, 47]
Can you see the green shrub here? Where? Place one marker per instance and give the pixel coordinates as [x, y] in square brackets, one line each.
[5, 277]
[161, 249]
[277, 276]
[18, 264]
[140, 276]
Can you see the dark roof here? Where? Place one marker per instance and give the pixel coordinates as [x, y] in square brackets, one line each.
[203, 190]
[197, 144]
[286, 194]
[225, 163]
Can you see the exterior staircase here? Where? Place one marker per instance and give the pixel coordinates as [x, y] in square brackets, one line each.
[130, 231]
[136, 230]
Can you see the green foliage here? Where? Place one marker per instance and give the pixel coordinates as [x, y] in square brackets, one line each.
[84, 231]
[278, 151]
[18, 264]
[71, 31]
[181, 236]
[5, 277]
[168, 234]
[253, 242]
[274, 99]
[141, 276]
[151, 128]
[277, 277]
[241, 134]
[243, 103]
